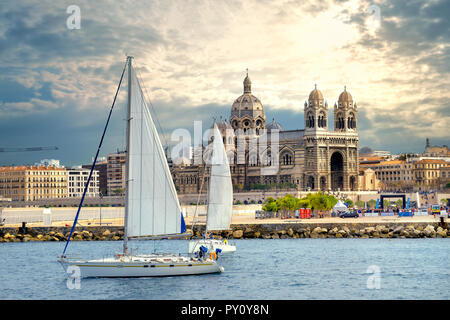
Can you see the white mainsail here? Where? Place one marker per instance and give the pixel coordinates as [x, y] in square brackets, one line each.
[220, 193]
[153, 207]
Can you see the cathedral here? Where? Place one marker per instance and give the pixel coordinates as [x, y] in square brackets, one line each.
[312, 159]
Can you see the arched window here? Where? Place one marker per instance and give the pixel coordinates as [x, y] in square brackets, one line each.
[286, 159]
[310, 120]
[321, 120]
[253, 160]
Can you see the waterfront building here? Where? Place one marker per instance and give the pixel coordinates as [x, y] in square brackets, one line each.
[367, 180]
[314, 158]
[427, 173]
[77, 178]
[444, 175]
[394, 174]
[102, 168]
[115, 173]
[436, 151]
[28, 183]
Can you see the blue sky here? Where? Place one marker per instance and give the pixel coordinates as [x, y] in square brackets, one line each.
[57, 84]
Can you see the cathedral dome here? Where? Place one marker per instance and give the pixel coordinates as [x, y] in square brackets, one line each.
[315, 94]
[247, 110]
[274, 126]
[345, 96]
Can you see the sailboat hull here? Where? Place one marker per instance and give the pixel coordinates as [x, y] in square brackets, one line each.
[211, 245]
[141, 266]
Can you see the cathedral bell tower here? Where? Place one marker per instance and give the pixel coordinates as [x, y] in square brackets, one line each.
[316, 112]
[345, 113]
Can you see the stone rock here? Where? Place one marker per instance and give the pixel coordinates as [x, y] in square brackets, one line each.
[238, 234]
[290, 232]
[106, 233]
[60, 236]
[7, 236]
[404, 234]
[323, 230]
[317, 230]
[86, 234]
[275, 236]
[339, 235]
[382, 229]
[257, 234]
[398, 230]
[429, 231]
[333, 231]
[442, 233]
[115, 238]
[416, 233]
[370, 230]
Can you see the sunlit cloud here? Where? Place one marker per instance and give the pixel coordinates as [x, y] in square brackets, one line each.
[192, 56]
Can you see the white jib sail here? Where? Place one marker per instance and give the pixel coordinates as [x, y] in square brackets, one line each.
[153, 207]
[220, 193]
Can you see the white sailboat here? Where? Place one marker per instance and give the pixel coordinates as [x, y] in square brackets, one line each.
[152, 209]
[220, 199]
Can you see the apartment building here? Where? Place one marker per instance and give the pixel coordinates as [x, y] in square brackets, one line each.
[28, 183]
[394, 174]
[115, 171]
[427, 173]
[77, 178]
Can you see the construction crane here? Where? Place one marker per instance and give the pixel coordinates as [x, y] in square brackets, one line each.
[27, 149]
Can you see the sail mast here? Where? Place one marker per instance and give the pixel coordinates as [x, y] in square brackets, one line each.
[127, 161]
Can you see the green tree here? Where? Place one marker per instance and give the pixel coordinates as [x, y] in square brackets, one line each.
[371, 203]
[349, 203]
[270, 205]
[288, 204]
[360, 204]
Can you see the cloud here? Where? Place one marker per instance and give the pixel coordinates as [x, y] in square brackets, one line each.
[192, 56]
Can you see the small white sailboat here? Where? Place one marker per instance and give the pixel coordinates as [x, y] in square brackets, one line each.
[152, 209]
[220, 199]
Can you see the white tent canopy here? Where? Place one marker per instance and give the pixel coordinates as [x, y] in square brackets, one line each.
[340, 206]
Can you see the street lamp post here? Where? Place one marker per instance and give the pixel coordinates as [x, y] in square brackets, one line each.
[101, 197]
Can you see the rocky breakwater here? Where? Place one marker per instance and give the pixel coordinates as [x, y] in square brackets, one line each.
[286, 231]
[250, 231]
[60, 234]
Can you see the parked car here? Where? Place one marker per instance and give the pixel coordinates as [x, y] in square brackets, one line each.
[349, 215]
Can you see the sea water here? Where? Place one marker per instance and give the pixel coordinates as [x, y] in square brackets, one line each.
[259, 269]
